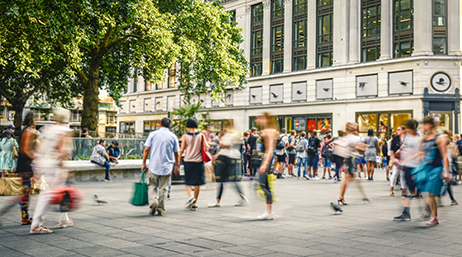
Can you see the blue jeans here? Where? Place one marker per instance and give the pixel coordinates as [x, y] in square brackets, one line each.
[300, 162]
[113, 153]
[108, 167]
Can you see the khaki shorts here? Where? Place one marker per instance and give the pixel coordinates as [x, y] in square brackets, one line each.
[459, 162]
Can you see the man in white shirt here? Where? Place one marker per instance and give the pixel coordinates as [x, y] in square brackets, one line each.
[162, 147]
[281, 153]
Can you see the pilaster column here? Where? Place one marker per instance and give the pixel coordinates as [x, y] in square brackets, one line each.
[355, 40]
[386, 30]
[311, 34]
[454, 13]
[266, 37]
[245, 23]
[340, 33]
[288, 26]
[423, 40]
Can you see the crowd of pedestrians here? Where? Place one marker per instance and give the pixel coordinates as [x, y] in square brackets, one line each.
[424, 164]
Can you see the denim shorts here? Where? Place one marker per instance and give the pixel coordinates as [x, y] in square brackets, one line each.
[313, 161]
[326, 162]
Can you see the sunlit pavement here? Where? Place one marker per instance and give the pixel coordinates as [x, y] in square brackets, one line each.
[304, 225]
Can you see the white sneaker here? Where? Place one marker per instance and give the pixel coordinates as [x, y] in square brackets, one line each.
[316, 178]
[214, 204]
[190, 202]
[243, 201]
[307, 177]
[358, 178]
[265, 216]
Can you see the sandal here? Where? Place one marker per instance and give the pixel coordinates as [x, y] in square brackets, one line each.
[392, 194]
[40, 230]
[342, 201]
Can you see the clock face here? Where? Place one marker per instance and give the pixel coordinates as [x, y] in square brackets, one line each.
[441, 82]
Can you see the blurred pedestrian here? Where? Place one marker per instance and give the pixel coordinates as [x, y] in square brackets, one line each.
[268, 136]
[99, 156]
[51, 153]
[8, 162]
[226, 166]
[395, 145]
[193, 143]
[162, 147]
[354, 148]
[437, 166]
[452, 155]
[24, 168]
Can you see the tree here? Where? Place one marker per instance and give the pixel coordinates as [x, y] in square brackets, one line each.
[103, 41]
[209, 47]
[186, 112]
[28, 65]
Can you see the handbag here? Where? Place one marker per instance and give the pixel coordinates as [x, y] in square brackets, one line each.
[206, 156]
[14, 151]
[68, 198]
[140, 192]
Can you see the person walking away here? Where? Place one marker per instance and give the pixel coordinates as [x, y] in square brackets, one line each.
[437, 167]
[99, 156]
[459, 157]
[447, 187]
[313, 155]
[55, 147]
[268, 136]
[7, 162]
[386, 157]
[292, 152]
[395, 145]
[326, 154]
[301, 148]
[226, 166]
[339, 153]
[410, 157]
[354, 148]
[113, 151]
[253, 146]
[281, 152]
[162, 147]
[372, 148]
[27, 149]
[193, 143]
[246, 154]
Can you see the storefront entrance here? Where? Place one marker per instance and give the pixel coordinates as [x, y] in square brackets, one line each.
[384, 124]
[446, 107]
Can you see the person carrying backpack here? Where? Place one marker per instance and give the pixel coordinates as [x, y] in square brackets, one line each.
[326, 153]
[313, 154]
[300, 148]
[292, 152]
[281, 153]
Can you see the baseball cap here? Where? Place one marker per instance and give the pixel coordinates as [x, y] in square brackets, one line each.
[11, 127]
[284, 130]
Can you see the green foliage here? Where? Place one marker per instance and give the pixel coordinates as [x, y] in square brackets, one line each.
[189, 111]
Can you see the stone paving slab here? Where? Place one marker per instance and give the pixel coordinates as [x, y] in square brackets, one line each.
[304, 225]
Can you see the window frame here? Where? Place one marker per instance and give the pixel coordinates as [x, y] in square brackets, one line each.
[440, 31]
[276, 43]
[401, 36]
[370, 41]
[256, 52]
[326, 47]
[299, 52]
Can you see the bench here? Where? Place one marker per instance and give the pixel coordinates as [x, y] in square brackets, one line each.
[88, 171]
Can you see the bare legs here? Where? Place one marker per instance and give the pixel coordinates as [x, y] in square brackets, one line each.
[370, 169]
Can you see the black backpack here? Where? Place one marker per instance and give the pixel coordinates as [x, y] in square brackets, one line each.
[312, 149]
[459, 148]
[280, 144]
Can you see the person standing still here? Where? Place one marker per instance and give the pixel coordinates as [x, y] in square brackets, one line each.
[162, 147]
[253, 146]
[313, 154]
[301, 147]
[281, 152]
[292, 152]
[192, 143]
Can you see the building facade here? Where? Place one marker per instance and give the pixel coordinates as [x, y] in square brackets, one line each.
[318, 64]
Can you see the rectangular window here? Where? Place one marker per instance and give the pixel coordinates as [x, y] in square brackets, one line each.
[148, 86]
[325, 11]
[370, 30]
[172, 76]
[256, 54]
[277, 36]
[233, 15]
[403, 28]
[299, 49]
[440, 28]
[127, 128]
[135, 84]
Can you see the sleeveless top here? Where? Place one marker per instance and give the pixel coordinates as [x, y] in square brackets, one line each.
[432, 153]
[24, 162]
[193, 149]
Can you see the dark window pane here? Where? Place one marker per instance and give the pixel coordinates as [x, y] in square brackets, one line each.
[440, 8]
[439, 45]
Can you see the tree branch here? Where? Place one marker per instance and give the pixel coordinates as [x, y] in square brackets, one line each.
[83, 78]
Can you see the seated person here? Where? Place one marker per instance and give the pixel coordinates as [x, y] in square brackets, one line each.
[114, 152]
[100, 157]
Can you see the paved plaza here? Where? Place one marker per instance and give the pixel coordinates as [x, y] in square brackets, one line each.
[304, 225]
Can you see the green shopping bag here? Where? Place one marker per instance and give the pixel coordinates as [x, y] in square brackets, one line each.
[140, 192]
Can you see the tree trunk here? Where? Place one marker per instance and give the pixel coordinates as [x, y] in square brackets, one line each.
[18, 106]
[90, 104]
